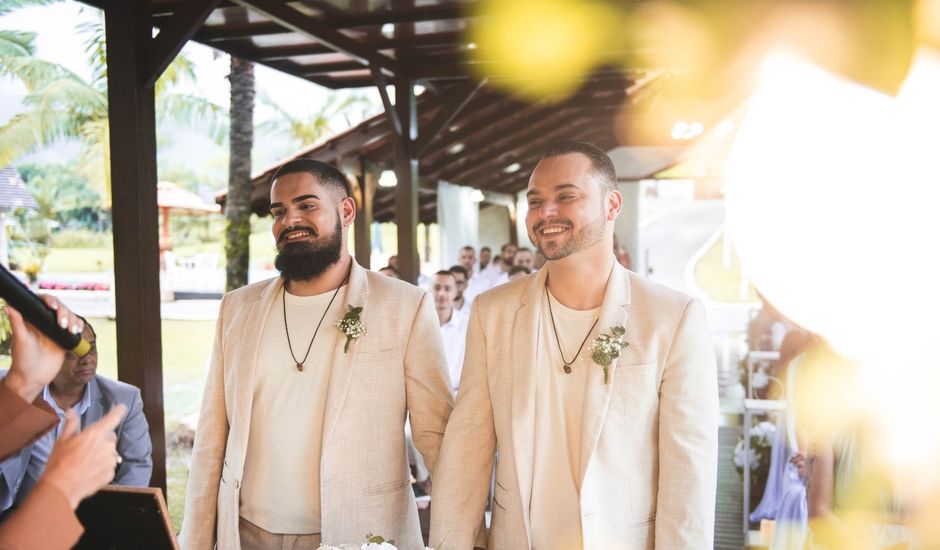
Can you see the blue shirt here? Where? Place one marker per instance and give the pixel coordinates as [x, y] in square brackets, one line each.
[43, 445]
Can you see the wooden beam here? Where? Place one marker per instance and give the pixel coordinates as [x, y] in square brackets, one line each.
[391, 112]
[496, 165]
[321, 31]
[438, 12]
[514, 133]
[232, 31]
[459, 98]
[288, 51]
[406, 170]
[313, 69]
[172, 37]
[368, 181]
[134, 209]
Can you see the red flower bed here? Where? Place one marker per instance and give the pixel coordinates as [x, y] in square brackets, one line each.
[52, 285]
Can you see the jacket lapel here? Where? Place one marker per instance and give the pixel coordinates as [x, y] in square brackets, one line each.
[524, 349]
[96, 403]
[614, 311]
[249, 349]
[357, 294]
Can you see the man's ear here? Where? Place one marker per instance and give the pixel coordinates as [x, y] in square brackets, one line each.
[348, 209]
[614, 204]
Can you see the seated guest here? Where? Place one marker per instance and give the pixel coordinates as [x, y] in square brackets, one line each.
[518, 271]
[80, 463]
[77, 387]
[462, 302]
[452, 321]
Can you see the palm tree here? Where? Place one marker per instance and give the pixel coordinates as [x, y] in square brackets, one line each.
[62, 105]
[308, 129]
[238, 203]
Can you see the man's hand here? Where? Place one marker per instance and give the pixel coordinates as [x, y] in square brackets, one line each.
[36, 358]
[82, 463]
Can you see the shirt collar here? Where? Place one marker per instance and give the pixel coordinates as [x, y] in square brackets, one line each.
[79, 407]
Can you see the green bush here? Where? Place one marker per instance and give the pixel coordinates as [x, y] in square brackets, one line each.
[81, 238]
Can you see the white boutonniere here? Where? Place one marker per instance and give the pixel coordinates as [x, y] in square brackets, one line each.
[351, 326]
[375, 542]
[606, 347]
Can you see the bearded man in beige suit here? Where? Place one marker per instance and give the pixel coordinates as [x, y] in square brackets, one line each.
[589, 457]
[301, 433]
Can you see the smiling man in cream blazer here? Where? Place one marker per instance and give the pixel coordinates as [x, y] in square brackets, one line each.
[590, 459]
[301, 433]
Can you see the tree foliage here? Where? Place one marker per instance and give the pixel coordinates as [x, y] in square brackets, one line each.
[60, 104]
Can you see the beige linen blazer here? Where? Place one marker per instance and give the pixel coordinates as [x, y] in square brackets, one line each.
[397, 368]
[650, 439]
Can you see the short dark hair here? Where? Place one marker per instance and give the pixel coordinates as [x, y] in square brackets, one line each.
[87, 324]
[468, 247]
[523, 249]
[519, 269]
[460, 269]
[485, 248]
[600, 161]
[326, 174]
[393, 269]
[444, 273]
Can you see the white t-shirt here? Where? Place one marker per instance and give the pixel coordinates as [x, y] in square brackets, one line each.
[280, 489]
[454, 335]
[555, 505]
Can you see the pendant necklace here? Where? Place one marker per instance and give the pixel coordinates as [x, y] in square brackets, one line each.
[300, 364]
[567, 364]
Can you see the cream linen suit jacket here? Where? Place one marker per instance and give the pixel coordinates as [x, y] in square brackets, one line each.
[650, 436]
[398, 367]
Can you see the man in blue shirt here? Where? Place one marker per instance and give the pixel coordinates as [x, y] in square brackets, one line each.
[79, 387]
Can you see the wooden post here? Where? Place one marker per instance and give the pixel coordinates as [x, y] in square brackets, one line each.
[368, 180]
[406, 170]
[134, 208]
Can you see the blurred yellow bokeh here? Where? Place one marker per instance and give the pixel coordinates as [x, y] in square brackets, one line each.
[543, 49]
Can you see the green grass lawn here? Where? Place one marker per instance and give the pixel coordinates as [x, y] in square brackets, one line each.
[187, 346]
[720, 284]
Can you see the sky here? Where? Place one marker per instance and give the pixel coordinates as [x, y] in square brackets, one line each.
[58, 40]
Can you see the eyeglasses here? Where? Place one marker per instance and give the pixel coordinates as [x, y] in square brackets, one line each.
[92, 353]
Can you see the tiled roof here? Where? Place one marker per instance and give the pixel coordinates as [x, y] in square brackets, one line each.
[13, 192]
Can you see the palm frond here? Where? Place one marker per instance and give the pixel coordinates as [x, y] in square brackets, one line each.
[8, 6]
[194, 112]
[95, 47]
[35, 73]
[181, 69]
[17, 43]
[74, 97]
[27, 132]
[96, 157]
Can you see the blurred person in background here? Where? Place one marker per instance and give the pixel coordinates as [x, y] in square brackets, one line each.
[523, 258]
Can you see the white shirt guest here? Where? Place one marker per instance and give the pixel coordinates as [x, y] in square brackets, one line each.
[452, 320]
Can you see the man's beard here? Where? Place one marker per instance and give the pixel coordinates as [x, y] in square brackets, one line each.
[303, 261]
[588, 236]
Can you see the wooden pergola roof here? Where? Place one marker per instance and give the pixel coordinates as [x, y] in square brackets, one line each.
[462, 129]
[491, 144]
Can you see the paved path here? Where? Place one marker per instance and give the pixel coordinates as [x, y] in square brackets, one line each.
[673, 238]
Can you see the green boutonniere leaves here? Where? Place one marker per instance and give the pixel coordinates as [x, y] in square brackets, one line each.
[607, 347]
[351, 326]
